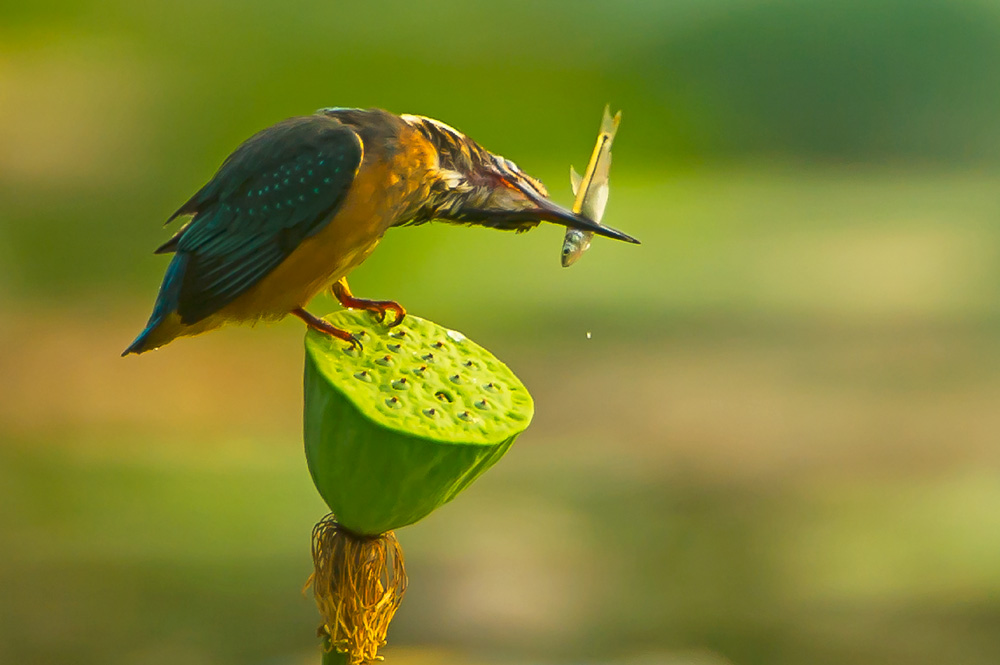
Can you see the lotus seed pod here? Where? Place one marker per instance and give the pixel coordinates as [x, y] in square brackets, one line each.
[396, 430]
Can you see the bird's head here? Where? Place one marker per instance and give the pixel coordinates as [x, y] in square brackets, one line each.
[470, 185]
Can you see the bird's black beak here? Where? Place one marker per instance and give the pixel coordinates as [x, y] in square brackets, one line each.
[553, 212]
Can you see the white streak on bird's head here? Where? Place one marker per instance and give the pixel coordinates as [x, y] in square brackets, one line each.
[470, 182]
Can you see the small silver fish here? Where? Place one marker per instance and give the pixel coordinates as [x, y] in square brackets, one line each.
[591, 189]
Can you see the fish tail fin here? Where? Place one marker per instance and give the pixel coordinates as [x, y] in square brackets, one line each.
[574, 180]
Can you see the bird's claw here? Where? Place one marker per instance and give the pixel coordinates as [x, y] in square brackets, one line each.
[377, 308]
[327, 328]
[355, 343]
[384, 307]
[380, 308]
[347, 337]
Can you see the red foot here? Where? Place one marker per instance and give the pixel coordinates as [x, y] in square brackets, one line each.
[377, 307]
[324, 327]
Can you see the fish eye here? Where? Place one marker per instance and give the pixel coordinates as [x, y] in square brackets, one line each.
[565, 250]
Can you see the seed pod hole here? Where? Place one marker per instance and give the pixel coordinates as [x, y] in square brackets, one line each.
[394, 403]
[429, 357]
[482, 404]
[492, 387]
[471, 364]
[363, 375]
[431, 412]
[397, 334]
[401, 384]
[456, 379]
[393, 347]
[444, 396]
[438, 344]
[385, 360]
[466, 416]
[419, 371]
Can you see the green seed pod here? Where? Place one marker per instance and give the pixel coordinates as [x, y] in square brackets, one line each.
[398, 429]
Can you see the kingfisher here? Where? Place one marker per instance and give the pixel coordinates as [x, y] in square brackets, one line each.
[296, 207]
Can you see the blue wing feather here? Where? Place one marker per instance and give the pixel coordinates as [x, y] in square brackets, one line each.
[278, 188]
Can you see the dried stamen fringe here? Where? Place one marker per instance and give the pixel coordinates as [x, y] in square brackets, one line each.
[358, 583]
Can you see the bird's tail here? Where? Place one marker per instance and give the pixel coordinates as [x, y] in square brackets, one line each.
[138, 345]
[166, 302]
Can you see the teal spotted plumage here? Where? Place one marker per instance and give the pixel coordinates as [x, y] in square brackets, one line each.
[280, 187]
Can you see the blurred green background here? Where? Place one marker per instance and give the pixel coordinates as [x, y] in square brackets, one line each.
[778, 445]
